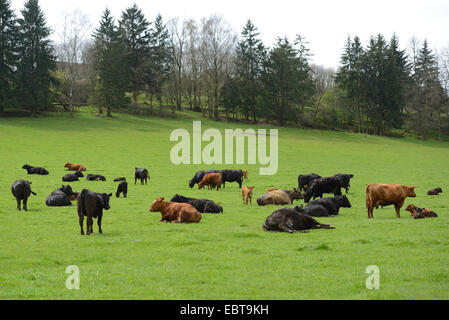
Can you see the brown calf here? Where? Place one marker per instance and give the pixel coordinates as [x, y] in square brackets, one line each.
[74, 167]
[175, 212]
[211, 180]
[387, 194]
[247, 193]
[420, 213]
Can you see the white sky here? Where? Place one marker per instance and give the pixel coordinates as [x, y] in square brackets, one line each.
[324, 23]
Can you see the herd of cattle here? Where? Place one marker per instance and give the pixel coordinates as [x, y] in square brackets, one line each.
[182, 209]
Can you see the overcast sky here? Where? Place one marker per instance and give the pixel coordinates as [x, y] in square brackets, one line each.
[324, 23]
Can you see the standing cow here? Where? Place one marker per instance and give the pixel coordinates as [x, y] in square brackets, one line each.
[386, 195]
[90, 205]
[122, 188]
[21, 189]
[141, 174]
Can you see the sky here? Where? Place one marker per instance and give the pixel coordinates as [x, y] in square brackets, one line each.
[325, 24]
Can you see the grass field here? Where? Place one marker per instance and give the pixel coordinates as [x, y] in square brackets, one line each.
[226, 256]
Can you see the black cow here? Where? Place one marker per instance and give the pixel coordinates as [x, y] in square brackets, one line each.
[122, 188]
[323, 185]
[199, 176]
[292, 220]
[90, 205]
[141, 174]
[331, 206]
[434, 192]
[345, 180]
[232, 176]
[95, 177]
[304, 180]
[60, 197]
[35, 170]
[71, 177]
[21, 190]
[202, 205]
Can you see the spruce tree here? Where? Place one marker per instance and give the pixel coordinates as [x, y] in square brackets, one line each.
[36, 59]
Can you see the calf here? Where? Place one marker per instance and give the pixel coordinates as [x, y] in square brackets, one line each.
[304, 180]
[35, 170]
[202, 205]
[122, 188]
[434, 192]
[142, 175]
[387, 194]
[323, 185]
[21, 190]
[90, 205]
[331, 206]
[71, 177]
[60, 197]
[74, 167]
[199, 176]
[247, 193]
[420, 213]
[95, 177]
[292, 220]
[175, 212]
[211, 180]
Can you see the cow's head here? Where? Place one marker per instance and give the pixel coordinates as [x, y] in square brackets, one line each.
[67, 190]
[411, 191]
[439, 190]
[344, 202]
[67, 165]
[157, 205]
[297, 194]
[104, 199]
[79, 174]
[251, 189]
[412, 209]
[191, 184]
[25, 166]
[299, 209]
[308, 195]
[245, 174]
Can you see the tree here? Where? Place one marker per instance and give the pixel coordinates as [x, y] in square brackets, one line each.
[8, 38]
[193, 65]
[110, 64]
[36, 59]
[134, 28]
[178, 44]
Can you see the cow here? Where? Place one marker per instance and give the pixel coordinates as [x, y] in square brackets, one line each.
[292, 220]
[420, 213]
[90, 205]
[95, 177]
[211, 180]
[387, 194]
[304, 180]
[202, 205]
[234, 176]
[71, 177]
[35, 170]
[142, 174]
[331, 206]
[434, 192]
[74, 167]
[247, 193]
[120, 179]
[21, 190]
[175, 212]
[60, 197]
[199, 176]
[279, 197]
[345, 180]
[323, 185]
[122, 188]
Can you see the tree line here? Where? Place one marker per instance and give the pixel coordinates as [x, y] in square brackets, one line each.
[135, 65]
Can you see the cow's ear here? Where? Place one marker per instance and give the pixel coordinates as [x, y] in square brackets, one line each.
[162, 199]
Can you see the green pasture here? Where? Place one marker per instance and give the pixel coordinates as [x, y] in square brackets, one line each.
[226, 256]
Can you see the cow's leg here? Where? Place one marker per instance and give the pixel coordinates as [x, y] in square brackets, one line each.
[243, 198]
[81, 220]
[240, 183]
[398, 209]
[89, 223]
[99, 224]
[25, 204]
[18, 203]
[135, 180]
[284, 227]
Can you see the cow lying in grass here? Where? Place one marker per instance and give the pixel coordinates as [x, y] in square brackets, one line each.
[211, 180]
[21, 190]
[327, 206]
[292, 220]
[71, 177]
[387, 194]
[279, 197]
[175, 212]
[420, 213]
[74, 167]
[35, 170]
[202, 205]
[90, 205]
[434, 192]
[95, 177]
[60, 197]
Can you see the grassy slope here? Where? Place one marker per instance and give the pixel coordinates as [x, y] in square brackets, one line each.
[226, 256]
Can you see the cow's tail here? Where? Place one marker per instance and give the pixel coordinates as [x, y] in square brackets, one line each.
[368, 197]
[33, 193]
[81, 207]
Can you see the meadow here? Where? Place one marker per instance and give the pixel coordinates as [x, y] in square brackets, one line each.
[226, 256]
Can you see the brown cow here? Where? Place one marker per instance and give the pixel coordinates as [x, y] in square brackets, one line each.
[420, 213]
[245, 174]
[175, 212]
[74, 167]
[247, 193]
[211, 180]
[387, 194]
